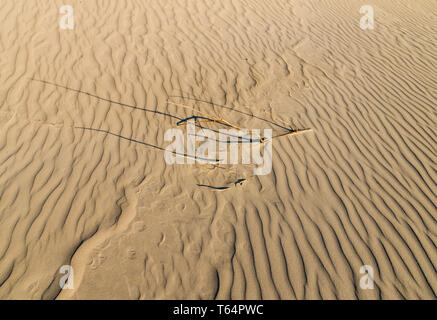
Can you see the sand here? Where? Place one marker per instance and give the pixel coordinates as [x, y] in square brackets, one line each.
[83, 181]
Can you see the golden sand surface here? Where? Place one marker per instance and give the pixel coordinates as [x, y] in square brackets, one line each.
[83, 180]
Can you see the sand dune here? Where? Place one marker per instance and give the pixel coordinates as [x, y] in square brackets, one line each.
[83, 181]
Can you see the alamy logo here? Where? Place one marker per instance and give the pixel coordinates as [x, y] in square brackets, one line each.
[367, 21]
[224, 146]
[367, 280]
[67, 280]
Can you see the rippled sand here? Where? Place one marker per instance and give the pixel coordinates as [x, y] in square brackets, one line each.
[83, 180]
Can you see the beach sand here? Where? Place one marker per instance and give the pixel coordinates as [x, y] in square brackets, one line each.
[83, 180]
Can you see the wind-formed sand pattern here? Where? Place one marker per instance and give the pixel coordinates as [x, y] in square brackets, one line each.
[83, 181]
